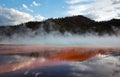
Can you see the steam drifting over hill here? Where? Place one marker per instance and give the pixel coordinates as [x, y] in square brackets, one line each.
[75, 30]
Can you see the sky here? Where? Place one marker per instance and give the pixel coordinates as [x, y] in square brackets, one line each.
[19, 11]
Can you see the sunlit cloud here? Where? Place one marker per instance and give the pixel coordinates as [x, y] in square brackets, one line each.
[76, 1]
[39, 18]
[98, 10]
[10, 16]
[26, 7]
[35, 3]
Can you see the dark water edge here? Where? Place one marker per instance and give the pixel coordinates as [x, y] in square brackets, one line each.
[44, 65]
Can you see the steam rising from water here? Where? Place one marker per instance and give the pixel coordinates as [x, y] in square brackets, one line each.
[67, 39]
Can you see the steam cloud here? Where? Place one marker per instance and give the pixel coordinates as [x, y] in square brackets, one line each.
[67, 39]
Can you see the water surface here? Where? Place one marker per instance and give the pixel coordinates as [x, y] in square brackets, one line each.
[58, 61]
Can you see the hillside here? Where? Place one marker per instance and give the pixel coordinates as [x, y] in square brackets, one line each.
[75, 25]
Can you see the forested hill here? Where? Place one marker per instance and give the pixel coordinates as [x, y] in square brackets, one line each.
[75, 25]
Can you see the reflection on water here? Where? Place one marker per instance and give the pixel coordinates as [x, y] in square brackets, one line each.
[59, 62]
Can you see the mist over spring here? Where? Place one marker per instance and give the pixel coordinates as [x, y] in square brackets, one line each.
[67, 39]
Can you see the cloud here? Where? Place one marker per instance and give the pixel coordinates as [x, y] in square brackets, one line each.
[77, 9]
[76, 1]
[26, 7]
[39, 18]
[35, 3]
[10, 16]
[98, 10]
